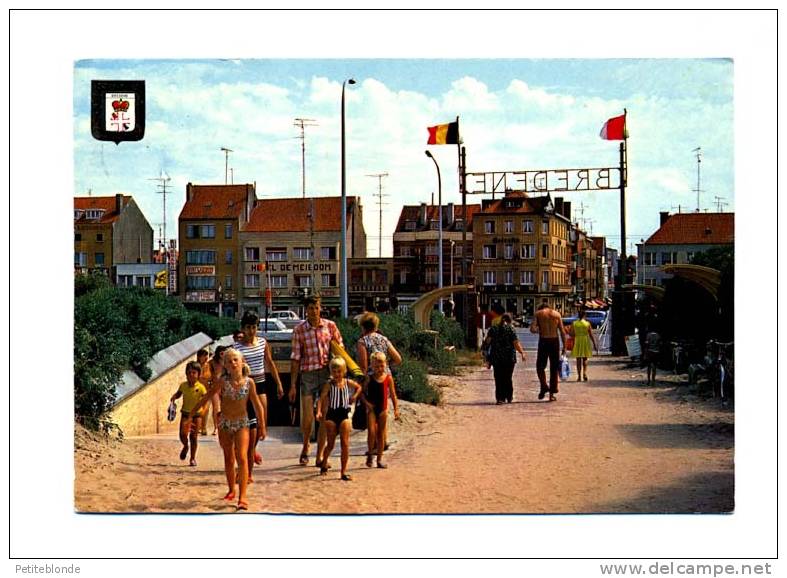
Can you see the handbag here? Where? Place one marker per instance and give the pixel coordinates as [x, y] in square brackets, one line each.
[565, 368]
[359, 416]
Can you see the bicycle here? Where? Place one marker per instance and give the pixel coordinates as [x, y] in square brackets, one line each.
[678, 356]
[722, 372]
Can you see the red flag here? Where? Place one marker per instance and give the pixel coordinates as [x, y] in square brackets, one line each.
[614, 128]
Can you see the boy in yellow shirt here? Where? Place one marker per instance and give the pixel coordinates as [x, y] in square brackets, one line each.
[191, 390]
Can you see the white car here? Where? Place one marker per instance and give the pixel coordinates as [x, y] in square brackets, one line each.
[274, 329]
[289, 318]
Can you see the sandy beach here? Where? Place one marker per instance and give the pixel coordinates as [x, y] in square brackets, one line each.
[612, 444]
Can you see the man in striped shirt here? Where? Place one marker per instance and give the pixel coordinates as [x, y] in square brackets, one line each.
[311, 347]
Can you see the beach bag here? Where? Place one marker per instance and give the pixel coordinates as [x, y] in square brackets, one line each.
[565, 368]
[359, 416]
[172, 411]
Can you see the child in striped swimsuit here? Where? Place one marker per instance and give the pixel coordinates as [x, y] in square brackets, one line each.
[337, 396]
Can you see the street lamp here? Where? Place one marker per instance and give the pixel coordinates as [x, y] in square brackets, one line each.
[439, 227]
[345, 312]
[220, 297]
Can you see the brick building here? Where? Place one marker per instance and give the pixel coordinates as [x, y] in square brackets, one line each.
[109, 231]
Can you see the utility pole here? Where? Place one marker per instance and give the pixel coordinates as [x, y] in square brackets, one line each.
[226, 161]
[232, 176]
[698, 152]
[380, 195]
[302, 123]
[162, 186]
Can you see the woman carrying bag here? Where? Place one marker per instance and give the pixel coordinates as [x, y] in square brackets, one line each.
[503, 346]
[582, 333]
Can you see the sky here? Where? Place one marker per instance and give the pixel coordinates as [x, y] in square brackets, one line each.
[515, 114]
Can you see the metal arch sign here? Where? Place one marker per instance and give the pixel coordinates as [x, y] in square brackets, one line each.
[543, 180]
[117, 110]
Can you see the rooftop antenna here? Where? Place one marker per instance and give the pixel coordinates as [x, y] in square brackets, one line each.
[380, 195]
[232, 176]
[719, 203]
[90, 192]
[226, 161]
[581, 212]
[302, 123]
[698, 152]
[679, 207]
[163, 180]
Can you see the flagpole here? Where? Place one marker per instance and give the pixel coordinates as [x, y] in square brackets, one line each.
[622, 318]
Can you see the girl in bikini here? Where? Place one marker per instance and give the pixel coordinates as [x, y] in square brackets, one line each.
[235, 388]
[338, 395]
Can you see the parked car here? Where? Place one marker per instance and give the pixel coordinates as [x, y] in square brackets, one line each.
[289, 318]
[274, 329]
[596, 318]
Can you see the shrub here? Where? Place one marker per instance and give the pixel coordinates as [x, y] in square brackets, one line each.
[442, 362]
[448, 328]
[412, 383]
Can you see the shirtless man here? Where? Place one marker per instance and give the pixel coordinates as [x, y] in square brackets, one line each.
[551, 336]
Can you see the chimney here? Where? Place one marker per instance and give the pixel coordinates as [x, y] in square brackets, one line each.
[118, 203]
[559, 205]
[567, 210]
[663, 216]
[189, 192]
[449, 214]
[422, 215]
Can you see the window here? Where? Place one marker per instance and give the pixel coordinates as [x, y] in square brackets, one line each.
[509, 226]
[403, 276]
[192, 232]
[490, 252]
[228, 256]
[409, 226]
[545, 279]
[544, 227]
[431, 249]
[431, 276]
[99, 260]
[302, 254]
[94, 213]
[458, 249]
[489, 227]
[125, 280]
[77, 236]
[200, 282]
[251, 280]
[80, 259]
[669, 258]
[527, 226]
[509, 278]
[251, 254]
[142, 281]
[200, 257]
[100, 237]
[328, 280]
[228, 231]
[650, 281]
[545, 251]
[276, 254]
[207, 231]
[528, 278]
[528, 251]
[433, 225]
[303, 280]
[490, 277]
[689, 256]
[278, 280]
[78, 213]
[328, 253]
[508, 251]
[404, 250]
[228, 282]
[460, 225]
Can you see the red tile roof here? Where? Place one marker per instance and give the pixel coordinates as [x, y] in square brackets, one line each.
[696, 229]
[107, 204]
[530, 205]
[280, 215]
[413, 212]
[215, 202]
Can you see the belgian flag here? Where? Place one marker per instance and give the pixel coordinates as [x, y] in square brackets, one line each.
[444, 134]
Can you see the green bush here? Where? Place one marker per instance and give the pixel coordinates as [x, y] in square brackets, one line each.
[442, 362]
[412, 383]
[448, 328]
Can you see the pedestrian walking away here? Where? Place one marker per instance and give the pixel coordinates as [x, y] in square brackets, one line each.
[257, 355]
[311, 346]
[582, 333]
[191, 391]
[503, 346]
[551, 336]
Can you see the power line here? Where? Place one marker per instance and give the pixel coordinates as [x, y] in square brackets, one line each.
[380, 195]
[302, 123]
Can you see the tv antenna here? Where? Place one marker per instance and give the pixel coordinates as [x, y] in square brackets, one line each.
[679, 207]
[380, 195]
[698, 152]
[302, 123]
[226, 161]
[719, 203]
[163, 180]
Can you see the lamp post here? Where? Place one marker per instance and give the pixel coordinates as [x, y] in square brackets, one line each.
[345, 312]
[439, 227]
[220, 296]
